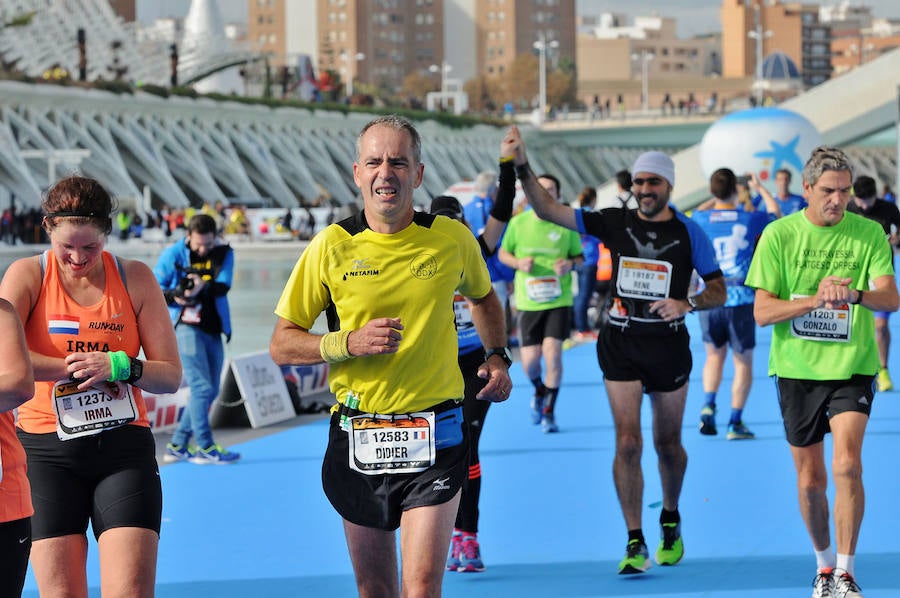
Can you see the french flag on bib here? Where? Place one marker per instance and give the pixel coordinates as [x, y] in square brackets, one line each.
[63, 324]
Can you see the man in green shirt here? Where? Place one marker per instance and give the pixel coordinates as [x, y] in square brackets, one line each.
[819, 274]
[543, 254]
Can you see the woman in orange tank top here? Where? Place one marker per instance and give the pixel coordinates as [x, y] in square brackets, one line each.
[87, 316]
[16, 387]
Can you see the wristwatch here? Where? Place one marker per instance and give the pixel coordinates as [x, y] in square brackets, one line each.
[692, 301]
[137, 370]
[503, 352]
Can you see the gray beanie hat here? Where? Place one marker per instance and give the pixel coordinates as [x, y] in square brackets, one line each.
[656, 163]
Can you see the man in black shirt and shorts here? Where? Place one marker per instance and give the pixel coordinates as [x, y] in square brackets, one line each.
[644, 347]
[866, 203]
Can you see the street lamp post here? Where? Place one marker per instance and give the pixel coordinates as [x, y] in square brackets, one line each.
[645, 57]
[351, 70]
[444, 69]
[541, 46]
[861, 52]
[759, 35]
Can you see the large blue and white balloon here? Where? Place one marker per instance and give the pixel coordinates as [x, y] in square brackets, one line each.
[761, 141]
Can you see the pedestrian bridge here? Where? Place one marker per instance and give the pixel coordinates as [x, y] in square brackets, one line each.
[185, 151]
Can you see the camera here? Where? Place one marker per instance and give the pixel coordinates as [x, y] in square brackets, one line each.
[186, 283]
[743, 179]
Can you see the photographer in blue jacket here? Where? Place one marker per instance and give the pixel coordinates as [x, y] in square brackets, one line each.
[195, 275]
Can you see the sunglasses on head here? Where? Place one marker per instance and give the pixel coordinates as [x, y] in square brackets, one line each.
[651, 181]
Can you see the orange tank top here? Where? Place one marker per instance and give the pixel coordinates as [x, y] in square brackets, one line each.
[15, 493]
[58, 326]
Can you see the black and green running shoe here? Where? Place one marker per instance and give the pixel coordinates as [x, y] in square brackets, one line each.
[671, 548]
[637, 559]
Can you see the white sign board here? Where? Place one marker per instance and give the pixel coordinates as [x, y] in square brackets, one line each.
[262, 389]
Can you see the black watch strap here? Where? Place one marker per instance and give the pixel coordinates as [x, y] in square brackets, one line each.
[137, 370]
[503, 352]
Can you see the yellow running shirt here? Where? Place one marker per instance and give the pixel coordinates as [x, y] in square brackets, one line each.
[356, 275]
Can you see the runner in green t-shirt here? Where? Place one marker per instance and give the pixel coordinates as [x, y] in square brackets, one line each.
[543, 255]
[819, 274]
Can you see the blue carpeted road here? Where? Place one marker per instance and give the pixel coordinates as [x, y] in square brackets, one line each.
[550, 521]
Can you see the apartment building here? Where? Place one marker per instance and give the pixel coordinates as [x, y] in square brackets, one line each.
[380, 42]
[506, 29]
[791, 28]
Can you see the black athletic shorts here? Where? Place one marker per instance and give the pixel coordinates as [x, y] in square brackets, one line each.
[808, 405]
[110, 479]
[662, 363]
[733, 325]
[535, 326]
[15, 548]
[378, 501]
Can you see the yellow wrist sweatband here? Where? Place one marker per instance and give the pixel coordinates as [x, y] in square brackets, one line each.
[333, 346]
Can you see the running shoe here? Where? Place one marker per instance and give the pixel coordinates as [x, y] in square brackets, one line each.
[214, 454]
[823, 584]
[884, 381]
[470, 556]
[845, 586]
[739, 431]
[708, 421]
[548, 424]
[637, 559]
[177, 452]
[537, 408]
[671, 548]
[453, 563]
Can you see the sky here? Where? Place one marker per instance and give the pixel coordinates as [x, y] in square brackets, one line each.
[693, 16]
[148, 10]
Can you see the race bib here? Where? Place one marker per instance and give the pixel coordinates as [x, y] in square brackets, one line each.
[400, 444]
[89, 411]
[462, 313]
[823, 324]
[641, 278]
[543, 289]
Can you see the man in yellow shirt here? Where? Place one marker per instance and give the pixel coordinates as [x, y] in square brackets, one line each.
[386, 278]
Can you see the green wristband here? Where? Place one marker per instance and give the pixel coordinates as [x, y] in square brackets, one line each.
[119, 366]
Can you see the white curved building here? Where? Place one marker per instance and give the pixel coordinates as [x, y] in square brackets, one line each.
[50, 40]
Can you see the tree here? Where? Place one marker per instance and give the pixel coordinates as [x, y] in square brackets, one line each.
[417, 85]
[564, 82]
[520, 81]
[19, 21]
[484, 93]
[22, 20]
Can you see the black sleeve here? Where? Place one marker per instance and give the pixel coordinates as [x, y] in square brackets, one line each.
[506, 192]
[596, 223]
[895, 215]
[485, 250]
[217, 289]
